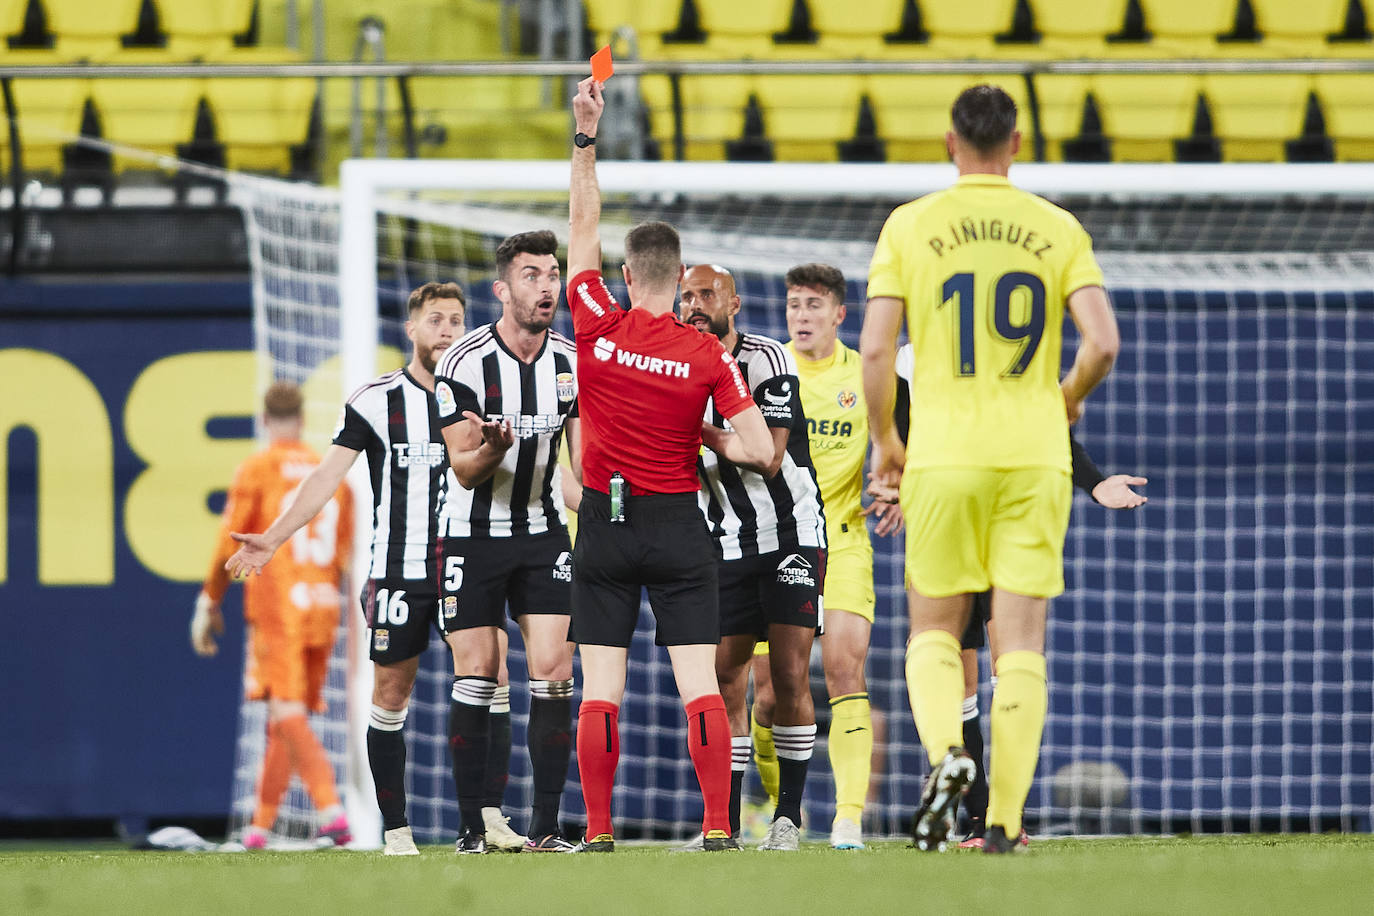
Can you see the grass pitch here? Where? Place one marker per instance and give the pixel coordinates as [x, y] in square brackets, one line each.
[1246, 874]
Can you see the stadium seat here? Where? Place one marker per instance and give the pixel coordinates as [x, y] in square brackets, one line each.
[1254, 114]
[1188, 24]
[857, 28]
[200, 29]
[649, 18]
[488, 116]
[259, 120]
[49, 116]
[731, 17]
[90, 28]
[967, 27]
[1144, 114]
[912, 111]
[1076, 26]
[12, 14]
[712, 112]
[1298, 26]
[799, 108]
[151, 114]
[1061, 99]
[1345, 99]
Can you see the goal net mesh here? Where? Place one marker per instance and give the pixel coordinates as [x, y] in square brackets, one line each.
[1212, 661]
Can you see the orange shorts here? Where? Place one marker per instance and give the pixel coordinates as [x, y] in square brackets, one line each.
[282, 667]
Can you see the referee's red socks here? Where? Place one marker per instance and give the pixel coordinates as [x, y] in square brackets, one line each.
[598, 754]
[708, 741]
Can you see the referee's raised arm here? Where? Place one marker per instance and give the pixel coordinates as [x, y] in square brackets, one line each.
[584, 196]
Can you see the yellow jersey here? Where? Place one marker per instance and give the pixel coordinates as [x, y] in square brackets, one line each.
[984, 269]
[832, 396]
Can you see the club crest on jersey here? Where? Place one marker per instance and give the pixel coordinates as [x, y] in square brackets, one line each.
[450, 607]
[795, 570]
[381, 640]
[847, 399]
[418, 454]
[443, 395]
[564, 381]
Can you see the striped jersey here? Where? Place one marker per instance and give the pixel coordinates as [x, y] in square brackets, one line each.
[393, 421]
[479, 373]
[746, 513]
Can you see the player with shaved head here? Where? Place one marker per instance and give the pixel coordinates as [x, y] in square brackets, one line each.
[769, 531]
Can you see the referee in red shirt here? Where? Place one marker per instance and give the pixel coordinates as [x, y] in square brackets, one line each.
[644, 379]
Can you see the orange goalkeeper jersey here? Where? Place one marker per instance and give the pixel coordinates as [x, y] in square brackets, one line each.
[298, 591]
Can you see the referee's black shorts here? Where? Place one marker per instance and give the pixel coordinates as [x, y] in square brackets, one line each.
[663, 546]
[973, 637]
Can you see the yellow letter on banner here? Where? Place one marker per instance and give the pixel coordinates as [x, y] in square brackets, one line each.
[50, 396]
[167, 517]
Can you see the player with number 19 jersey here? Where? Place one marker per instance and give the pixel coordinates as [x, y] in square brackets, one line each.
[985, 269]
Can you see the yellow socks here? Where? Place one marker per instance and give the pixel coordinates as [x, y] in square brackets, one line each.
[765, 758]
[1018, 719]
[935, 683]
[851, 753]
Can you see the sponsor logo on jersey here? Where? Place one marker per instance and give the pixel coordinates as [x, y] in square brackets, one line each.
[605, 349]
[566, 389]
[444, 396]
[847, 399]
[419, 454]
[562, 567]
[795, 570]
[780, 398]
[777, 405]
[450, 607]
[829, 427]
[306, 595]
[590, 301]
[381, 640]
[526, 426]
[735, 374]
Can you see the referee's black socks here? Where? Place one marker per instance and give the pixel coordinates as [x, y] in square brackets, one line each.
[469, 739]
[550, 743]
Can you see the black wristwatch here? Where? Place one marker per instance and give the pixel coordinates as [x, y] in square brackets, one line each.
[582, 141]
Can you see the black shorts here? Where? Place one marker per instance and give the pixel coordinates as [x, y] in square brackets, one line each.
[478, 577]
[782, 586]
[399, 613]
[663, 546]
[977, 621]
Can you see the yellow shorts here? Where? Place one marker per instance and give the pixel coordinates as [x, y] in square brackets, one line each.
[971, 529]
[849, 580]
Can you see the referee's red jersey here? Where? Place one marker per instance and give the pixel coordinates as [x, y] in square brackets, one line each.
[642, 387]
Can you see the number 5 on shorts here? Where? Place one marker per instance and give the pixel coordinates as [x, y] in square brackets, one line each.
[453, 574]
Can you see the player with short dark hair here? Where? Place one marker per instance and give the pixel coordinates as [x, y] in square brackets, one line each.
[394, 420]
[507, 395]
[292, 614]
[769, 530]
[644, 378]
[984, 273]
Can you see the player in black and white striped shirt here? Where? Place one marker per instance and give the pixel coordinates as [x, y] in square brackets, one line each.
[506, 395]
[393, 420]
[770, 530]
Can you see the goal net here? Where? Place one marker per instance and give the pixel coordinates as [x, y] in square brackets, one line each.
[1212, 660]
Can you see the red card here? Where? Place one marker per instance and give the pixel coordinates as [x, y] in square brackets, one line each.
[602, 65]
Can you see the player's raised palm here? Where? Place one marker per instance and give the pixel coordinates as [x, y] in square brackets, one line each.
[1115, 492]
[257, 549]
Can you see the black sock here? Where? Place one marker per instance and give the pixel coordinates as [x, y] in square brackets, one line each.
[791, 785]
[736, 793]
[498, 755]
[976, 801]
[469, 715]
[386, 757]
[550, 743]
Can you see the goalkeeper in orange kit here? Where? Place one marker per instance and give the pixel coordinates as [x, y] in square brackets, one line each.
[291, 611]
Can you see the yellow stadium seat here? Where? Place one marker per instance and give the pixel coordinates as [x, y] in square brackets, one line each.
[712, 112]
[12, 18]
[1078, 25]
[809, 108]
[874, 18]
[649, 18]
[912, 111]
[86, 28]
[756, 17]
[969, 24]
[1253, 114]
[259, 119]
[1061, 99]
[202, 28]
[1188, 23]
[1349, 116]
[49, 118]
[1297, 26]
[150, 114]
[1144, 113]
